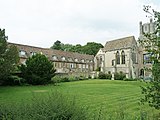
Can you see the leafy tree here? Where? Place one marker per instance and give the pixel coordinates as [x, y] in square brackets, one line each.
[8, 58]
[151, 44]
[38, 70]
[67, 47]
[57, 45]
[92, 48]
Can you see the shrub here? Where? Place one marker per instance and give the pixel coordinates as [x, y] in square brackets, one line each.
[67, 78]
[119, 76]
[102, 75]
[108, 76]
[38, 70]
[14, 80]
[52, 107]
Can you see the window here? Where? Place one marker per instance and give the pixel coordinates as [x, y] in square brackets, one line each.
[146, 58]
[100, 60]
[76, 60]
[112, 62]
[91, 61]
[71, 65]
[70, 59]
[32, 53]
[87, 61]
[80, 65]
[63, 58]
[117, 57]
[82, 60]
[54, 57]
[145, 28]
[87, 66]
[84, 66]
[134, 58]
[22, 53]
[123, 57]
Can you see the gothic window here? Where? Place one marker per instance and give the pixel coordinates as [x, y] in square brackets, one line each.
[112, 62]
[123, 57]
[146, 58]
[117, 57]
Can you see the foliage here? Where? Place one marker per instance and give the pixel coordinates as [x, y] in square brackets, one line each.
[105, 75]
[119, 76]
[104, 99]
[8, 58]
[37, 70]
[67, 78]
[90, 48]
[131, 79]
[102, 75]
[57, 45]
[151, 43]
[14, 80]
[55, 106]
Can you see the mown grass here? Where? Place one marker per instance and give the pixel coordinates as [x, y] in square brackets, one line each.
[102, 97]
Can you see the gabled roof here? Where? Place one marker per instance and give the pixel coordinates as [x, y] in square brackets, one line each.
[50, 53]
[122, 43]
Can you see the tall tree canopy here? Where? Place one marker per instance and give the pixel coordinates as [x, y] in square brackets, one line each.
[8, 58]
[90, 48]
[151, 43]
[57, 45]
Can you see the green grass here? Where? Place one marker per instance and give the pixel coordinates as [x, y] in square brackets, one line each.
[104, 96]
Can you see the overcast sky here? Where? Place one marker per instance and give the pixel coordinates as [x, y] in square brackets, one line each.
[42, 22]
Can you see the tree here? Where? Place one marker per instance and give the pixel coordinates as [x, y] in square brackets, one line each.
[57, 45]
[151, 43]
[37, 70]
[92, 48]
[9, 58]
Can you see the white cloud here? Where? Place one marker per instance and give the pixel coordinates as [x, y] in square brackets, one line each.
[42, 22]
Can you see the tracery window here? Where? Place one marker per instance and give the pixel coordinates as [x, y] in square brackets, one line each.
[123, 57]
[117, 57]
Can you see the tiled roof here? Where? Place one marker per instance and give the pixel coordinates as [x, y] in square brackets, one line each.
[121, 43]
[50, 53]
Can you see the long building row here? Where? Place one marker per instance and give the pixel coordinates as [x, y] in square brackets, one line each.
[64, 62]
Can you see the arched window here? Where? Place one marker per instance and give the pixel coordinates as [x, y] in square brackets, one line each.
[117, 57]
[142, 72]
[123, 57]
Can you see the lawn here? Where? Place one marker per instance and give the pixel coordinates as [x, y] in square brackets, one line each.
[103, 96]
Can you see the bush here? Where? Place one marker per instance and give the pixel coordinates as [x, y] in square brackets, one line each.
[52, 107]
[14, 80]
[102, 75]
[66, 78]
[38, 70]
[119, 76]
[108, 76]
